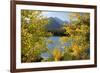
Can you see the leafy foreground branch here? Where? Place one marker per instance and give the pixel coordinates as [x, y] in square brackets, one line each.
[35, 38]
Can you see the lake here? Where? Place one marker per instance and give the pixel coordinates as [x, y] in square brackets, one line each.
[56, 43]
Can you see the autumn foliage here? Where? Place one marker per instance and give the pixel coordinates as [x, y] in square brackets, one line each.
[34, 38]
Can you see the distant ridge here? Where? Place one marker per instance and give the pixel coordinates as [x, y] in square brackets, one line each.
[55, 23]
[55, 26]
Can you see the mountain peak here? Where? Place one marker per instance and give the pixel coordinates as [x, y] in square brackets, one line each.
[55, 25]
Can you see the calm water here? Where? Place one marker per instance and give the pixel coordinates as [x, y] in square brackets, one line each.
[56, 43]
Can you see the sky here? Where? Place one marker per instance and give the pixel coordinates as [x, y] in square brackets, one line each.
[61, 15]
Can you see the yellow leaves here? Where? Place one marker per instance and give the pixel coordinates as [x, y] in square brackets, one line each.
[50, 41]
[80, 40]
[57, 54]
[85, 28]
[76, 50]
[74, 16]
[68, 29]
[37, 45]
[78, 30]
[35, 12]
[63, 40]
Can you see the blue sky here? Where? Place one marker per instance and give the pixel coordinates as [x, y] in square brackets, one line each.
[61, 15]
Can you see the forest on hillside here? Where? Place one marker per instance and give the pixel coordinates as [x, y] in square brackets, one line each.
[45, 39]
